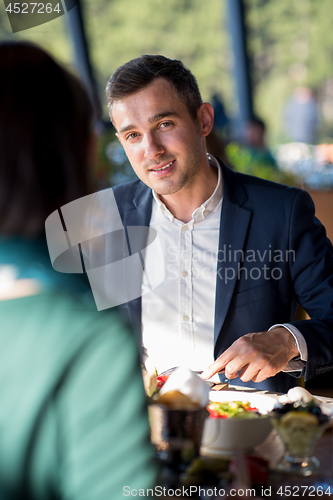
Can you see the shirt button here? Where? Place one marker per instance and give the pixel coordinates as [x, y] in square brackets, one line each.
[185, 228]
[206, 212]
[185, 317]
[184, 274]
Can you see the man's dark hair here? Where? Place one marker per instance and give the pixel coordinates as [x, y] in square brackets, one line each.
[46, 125]
[142, 71]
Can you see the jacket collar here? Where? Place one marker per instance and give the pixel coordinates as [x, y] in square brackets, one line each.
[234, 225]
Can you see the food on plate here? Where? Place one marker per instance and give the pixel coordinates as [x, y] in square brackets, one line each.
[152, 382]
[299, 424]
[177, 400]
[149, 381]
[223, 436]
[161, 379]
[183, 389]
[177, 414]
[232, 409]
[222, 386]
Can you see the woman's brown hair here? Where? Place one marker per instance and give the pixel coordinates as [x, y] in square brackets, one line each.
[45, 134]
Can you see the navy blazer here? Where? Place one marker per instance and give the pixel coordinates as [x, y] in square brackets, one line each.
[273, 254]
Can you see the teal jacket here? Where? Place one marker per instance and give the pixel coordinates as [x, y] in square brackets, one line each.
[73, 420]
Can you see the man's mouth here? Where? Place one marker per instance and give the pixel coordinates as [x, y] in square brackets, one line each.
[162, 168]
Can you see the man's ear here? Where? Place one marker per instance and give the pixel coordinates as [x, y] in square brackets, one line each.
[205, 116]
[118, 137]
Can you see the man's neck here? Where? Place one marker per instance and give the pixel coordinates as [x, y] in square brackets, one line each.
[183, 203]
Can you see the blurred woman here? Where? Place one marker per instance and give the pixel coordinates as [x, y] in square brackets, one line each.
[73, 421]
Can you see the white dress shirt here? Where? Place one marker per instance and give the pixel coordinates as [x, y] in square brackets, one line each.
[178, 315]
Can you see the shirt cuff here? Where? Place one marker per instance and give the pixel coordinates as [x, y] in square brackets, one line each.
[295, 366]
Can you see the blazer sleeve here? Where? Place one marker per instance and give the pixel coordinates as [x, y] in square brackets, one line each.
[312, 276]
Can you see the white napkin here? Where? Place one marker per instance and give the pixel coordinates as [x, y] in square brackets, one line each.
[189, 384]
[296, 394]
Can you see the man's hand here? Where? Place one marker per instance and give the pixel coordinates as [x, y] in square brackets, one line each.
[256, 356]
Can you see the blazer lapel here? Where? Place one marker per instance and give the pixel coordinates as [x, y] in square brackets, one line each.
[233, 229]
[138, 215]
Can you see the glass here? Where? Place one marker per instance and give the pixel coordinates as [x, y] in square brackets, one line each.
[299, 432]
[176, 434]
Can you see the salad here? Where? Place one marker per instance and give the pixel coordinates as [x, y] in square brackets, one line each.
[232, 409]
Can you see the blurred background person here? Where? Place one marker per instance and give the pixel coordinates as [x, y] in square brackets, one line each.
[301, 116]
[221, 120]
[216, 141]
[251, 155]
[255, 141]
[73, 419]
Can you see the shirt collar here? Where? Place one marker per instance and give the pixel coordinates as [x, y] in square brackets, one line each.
[208, 206]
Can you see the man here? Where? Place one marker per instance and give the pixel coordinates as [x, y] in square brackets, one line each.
[239, 251]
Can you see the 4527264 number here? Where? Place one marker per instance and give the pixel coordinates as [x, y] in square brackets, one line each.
[308, 491]
[33, 8]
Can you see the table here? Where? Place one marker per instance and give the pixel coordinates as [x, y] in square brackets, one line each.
[281, 485]
[323, 451]
[316, 486]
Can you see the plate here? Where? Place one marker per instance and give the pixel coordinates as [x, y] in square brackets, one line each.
[226, 436]
[263, 402]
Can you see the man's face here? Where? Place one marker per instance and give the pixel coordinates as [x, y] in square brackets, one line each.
[161, 140]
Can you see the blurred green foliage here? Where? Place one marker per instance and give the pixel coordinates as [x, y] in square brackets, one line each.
[190, 30]
[242, 160]
[52, 36]
[290, 43]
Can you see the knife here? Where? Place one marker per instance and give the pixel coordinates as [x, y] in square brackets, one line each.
[211, 384]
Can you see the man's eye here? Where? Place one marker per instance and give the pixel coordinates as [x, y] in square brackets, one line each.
[165, 124]
[132, 135]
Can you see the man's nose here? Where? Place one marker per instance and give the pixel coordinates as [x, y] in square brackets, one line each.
[153, 147]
